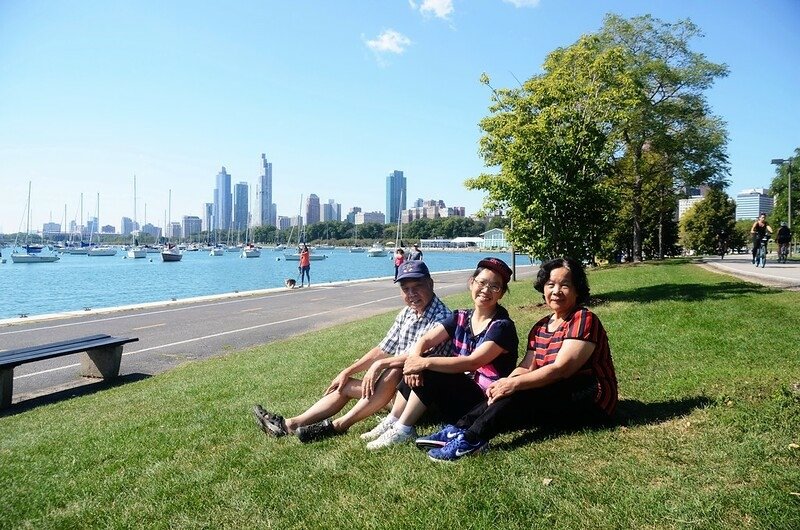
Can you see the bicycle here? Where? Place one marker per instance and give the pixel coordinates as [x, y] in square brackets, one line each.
[783, 252]
[761, 255]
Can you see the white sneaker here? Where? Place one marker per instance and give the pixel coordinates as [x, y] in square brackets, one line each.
[392, 437]
[384, 425]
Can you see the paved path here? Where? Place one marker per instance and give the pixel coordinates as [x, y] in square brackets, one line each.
[173, 333]
[775, 274]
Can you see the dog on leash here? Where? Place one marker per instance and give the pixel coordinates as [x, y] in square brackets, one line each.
[290, 283]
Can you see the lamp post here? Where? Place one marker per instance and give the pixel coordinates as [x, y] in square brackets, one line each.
[780, 162]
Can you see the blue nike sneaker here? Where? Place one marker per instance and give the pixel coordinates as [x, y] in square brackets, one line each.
[439, 439]
[455, 449]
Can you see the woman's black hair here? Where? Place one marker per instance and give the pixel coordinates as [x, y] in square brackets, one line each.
[579, 280]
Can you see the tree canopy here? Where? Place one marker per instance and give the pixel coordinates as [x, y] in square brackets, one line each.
[604, 138]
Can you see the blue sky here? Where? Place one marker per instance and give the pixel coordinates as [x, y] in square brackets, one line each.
[337, 94]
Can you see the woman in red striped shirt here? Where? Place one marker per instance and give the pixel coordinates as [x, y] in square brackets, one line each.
[567, 373]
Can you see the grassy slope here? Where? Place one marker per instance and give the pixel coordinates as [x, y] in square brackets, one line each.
[706, 368]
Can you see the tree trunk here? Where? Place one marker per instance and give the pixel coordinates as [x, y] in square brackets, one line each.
[637, 217]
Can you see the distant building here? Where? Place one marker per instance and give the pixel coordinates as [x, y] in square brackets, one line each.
[222, 201]
[751, 203]
[312, 209]
[284, 222]
[695, 195]
[151, 230]
[174, 230]
[127, 226]
[51, 228]
[265, 208]
[240, 206]
[191, 225]
[331, 211]
[370, 217]
[351, 215]
[432, 209]
[395, 195]
[108, 229]
[92, 226]
[208, 215]
[495, 238]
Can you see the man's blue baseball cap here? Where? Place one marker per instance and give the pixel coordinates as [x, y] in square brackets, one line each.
[412, 270]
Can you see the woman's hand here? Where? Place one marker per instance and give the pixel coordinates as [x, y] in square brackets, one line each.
[500, 389]
[413, 380]
[414, 364]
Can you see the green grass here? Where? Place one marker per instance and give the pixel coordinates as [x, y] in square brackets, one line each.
[708, 370]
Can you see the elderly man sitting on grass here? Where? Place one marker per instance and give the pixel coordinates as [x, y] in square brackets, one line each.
[382, 366]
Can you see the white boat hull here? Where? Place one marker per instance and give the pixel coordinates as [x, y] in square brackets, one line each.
[137, 253]
[171, 255]
[216, 252]
[101, 251]
[251, 253]
[33, 258]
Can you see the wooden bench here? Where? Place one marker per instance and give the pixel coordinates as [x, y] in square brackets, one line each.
[101, 357]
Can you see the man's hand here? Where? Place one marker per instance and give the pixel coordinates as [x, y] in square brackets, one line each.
[370, 380]
[338, 383]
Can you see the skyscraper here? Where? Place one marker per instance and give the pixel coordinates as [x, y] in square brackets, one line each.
[312, 209]
[331, 211]
[240, 206]
[208, 215]
[264, 205]
[222, 201]
[395, 195]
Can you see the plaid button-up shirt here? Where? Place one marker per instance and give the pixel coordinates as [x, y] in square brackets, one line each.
[408, 327]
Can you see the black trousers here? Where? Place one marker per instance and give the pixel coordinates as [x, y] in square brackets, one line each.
[569, 402]
[453, 394]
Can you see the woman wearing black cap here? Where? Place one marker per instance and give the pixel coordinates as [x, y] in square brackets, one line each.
[484, 341]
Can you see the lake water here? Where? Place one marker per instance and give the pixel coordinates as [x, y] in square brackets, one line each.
[77, 282]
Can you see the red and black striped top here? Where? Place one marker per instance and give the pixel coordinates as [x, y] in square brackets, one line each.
[584, 325]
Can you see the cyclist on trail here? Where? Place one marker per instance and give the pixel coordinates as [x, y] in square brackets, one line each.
[784, 238]
[758, 231]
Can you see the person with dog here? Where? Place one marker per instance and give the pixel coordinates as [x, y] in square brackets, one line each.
[381, 366]
[305, 265]
[567, 375]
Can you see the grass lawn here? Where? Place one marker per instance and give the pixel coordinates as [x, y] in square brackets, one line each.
[709, 374]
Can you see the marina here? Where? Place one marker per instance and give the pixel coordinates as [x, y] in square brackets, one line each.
[78, 282]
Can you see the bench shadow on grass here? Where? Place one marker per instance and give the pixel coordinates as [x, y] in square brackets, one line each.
[91, 386]
[682, 292]
[630, 413]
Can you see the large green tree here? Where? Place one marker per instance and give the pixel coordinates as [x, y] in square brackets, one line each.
[550, 141]
[669, 117]
[708, 222]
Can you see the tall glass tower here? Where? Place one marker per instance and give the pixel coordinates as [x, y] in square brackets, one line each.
[240, 206]
[264, 203]
[222, 201]
[395, 195]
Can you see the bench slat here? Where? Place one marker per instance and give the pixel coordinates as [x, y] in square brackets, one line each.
[13, 358]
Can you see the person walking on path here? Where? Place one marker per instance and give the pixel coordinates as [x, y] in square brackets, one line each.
[399, 258]
[415, 254]
[382, 366]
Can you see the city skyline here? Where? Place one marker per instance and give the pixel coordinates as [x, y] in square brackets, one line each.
[95, 92]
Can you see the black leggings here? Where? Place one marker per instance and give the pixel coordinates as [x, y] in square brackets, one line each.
[453, 394]
[570, 401]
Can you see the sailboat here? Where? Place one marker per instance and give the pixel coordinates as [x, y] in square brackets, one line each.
[326, 245]
[28, 256]
[135, 251]
[78, 247]
[355, 247]
[100, 250]
[172, 252]
[376, 251]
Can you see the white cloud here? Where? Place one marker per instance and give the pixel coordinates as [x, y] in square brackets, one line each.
[522, 3]
[437, 8]
[390, 41]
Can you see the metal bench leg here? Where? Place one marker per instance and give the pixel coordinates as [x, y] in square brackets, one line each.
[6, 386]
[101, 362]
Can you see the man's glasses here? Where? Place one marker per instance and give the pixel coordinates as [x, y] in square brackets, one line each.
[482, 284]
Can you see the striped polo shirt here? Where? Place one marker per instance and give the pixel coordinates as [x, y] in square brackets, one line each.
[584, 325]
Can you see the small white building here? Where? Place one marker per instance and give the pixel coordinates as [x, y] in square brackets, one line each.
[494, 238]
